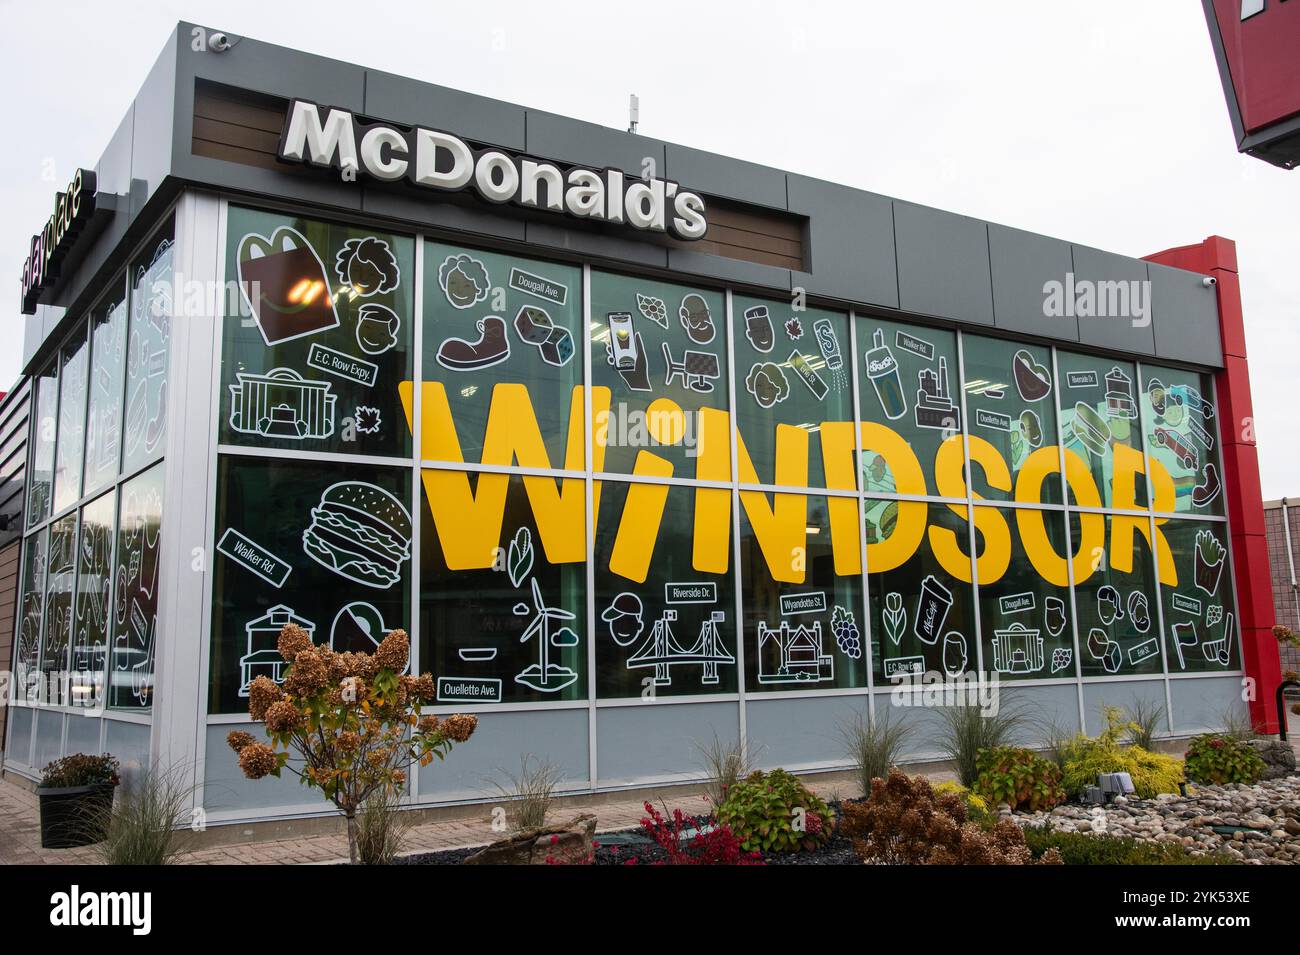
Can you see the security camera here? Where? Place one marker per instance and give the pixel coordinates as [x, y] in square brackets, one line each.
[219, 43]
[1209, 281]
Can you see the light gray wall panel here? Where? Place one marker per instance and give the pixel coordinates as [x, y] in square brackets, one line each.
[657, 740]
[558, 737]
[800, 732]
[18, 745]
[720, 176]
[129, 742]
[48, 745]
[83, 734]
[1201, 704]
[410, 102]
[226, 789]
[1121, 693]
[558, 137]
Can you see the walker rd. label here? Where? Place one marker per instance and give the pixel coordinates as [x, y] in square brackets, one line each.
[917, 346]
[537, 286]
[342, 365]
[253, 557]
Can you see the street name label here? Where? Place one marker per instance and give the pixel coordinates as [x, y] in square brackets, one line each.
[468, 689]
[803, 603]
[701, 592]
[538, 286]
[342, 365]
[253, 557]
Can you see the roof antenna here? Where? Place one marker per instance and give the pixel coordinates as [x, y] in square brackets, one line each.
[633, 113]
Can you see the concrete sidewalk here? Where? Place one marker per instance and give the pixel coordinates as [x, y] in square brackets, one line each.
[20, 838]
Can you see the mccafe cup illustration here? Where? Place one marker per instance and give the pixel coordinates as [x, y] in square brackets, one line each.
[931, 610]
[284, 285]
[882, 369]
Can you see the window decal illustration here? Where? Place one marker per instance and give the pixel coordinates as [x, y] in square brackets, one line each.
[148, 345]
[135, 591]
[319, 339]
[326, 547]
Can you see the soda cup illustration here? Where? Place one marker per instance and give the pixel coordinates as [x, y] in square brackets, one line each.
[882, 369]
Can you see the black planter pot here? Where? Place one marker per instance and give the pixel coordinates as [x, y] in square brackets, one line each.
[74, 815]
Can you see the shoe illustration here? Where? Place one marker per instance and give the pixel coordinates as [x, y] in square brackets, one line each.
[1208, 489]
[492, 347]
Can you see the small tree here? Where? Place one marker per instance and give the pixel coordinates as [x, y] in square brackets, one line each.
[353, 719]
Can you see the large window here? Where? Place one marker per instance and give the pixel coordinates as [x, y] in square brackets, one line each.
[90, 567]
[768, 498]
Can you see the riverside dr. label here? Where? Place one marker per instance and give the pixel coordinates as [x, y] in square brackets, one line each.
[343, 365]
[253, 557]
[701, 592]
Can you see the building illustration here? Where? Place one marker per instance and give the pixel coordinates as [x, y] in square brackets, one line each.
[793, 654]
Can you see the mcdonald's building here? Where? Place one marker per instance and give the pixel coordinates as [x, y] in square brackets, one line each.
[640, 444]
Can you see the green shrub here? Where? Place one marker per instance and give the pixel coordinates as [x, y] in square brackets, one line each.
[978, 810]
[874, 745]
[1145, 718]
[1215, 758]
[1081, 848]
[1018, 778]
[149, 823]
[1084, 758]
[775, 812]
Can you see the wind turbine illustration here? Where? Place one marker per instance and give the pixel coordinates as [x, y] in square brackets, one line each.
[545, 676]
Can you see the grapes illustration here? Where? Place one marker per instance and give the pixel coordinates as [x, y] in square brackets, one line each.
[846, 633]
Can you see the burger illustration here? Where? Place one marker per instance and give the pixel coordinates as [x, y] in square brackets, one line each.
[1091, 429]
[360, 532]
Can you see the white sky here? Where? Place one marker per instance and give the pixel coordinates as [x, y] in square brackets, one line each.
[1102, 123]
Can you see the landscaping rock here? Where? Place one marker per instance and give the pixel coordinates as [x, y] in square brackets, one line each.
[1278, 757]
[1264, 819]
[566, 844]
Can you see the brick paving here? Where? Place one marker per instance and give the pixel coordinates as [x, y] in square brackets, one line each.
[20, 831]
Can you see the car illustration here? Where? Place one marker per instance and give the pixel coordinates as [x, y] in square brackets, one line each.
[1192, 399]
[1184, 452]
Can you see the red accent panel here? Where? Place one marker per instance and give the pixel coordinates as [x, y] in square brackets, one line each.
[1241, 472]
[1217, 256]
[1261, 54]
[1236, 413]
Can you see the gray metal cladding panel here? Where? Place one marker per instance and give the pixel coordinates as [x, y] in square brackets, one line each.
[571, 140]
[426, 208]
[48, 745]
[850, 244]
[410, 102]
[730, 270]
[154, 119]
[803, 731]
[267, 68]
[659, 740]
[1124, 332]
[1023, 263]
[1201, 704]
[578, 242]
[321, 190]
[943, 264]
[1185, 317]
[502, 740]
[717, 175]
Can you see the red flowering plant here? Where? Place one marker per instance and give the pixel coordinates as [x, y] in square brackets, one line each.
[715, 846]
[353, 720]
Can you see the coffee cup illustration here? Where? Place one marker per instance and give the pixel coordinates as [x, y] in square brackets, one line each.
[285, 286]
[931, 610]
